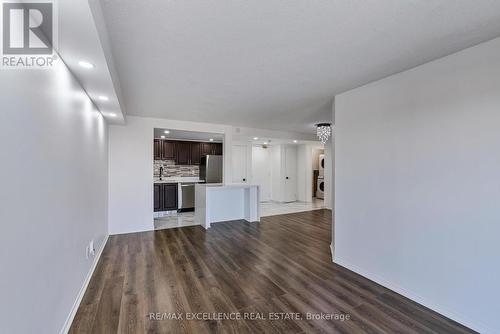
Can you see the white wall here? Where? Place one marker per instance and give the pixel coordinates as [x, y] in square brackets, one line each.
[304, 173]
[418, 184]
[131, 169]
[328, 196]
[53, 196]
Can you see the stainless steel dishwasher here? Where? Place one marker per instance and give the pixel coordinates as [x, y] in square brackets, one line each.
[186, 196]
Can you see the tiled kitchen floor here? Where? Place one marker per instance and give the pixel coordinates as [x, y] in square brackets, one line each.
[179, 220]
[274, 208]
[266, 209]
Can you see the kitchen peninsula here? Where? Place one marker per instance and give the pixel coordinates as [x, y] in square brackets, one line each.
[226, 202]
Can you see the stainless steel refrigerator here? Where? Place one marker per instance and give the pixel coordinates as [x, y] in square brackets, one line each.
[211, 169]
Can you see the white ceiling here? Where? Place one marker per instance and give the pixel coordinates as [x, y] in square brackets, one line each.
[272, 63]
[79, 39]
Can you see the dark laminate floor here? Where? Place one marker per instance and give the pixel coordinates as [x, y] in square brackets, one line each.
[280, 265]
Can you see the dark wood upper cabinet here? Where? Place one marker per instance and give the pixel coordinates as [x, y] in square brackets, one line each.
[168, 150]
[218, 149]
[195, 153]
[183, 149]
[184, 152]
[206, 149]
[157, 149]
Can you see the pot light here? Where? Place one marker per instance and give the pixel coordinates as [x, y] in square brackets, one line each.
[166, 131]
[211, 139]
[162, 137]
[112, 114]
[103, 98]
[295, 141]
[86, 64]
[255, 138]
[265, 143]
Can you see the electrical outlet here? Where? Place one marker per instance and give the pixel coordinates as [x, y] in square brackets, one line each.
[92, 248]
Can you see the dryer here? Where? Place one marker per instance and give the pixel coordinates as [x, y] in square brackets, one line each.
[321, 165]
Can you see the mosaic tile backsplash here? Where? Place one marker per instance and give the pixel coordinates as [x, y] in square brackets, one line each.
[170, 169]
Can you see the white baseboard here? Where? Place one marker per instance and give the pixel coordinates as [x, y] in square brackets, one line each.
[79, 297]
[479, 327]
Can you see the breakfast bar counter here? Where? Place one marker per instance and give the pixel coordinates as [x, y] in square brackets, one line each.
[216, 202]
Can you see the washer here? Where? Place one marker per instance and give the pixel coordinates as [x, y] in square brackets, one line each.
[320, 192]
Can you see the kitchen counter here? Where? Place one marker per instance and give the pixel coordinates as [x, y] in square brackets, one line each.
[216, 202]
[178, 180]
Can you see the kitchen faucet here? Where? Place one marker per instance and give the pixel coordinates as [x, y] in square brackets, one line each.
[161, 173]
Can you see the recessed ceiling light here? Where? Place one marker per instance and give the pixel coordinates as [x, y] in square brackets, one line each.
[295, 141]
[166, 131]
[265, 143]
[255, 138]
[162, 137]
[85, 64]
[211, 139]
[103, 98]
[112, 114]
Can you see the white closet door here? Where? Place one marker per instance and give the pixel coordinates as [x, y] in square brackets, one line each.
[261, 171]
[290, 173]
[239, 164]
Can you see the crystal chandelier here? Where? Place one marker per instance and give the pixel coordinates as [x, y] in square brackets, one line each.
[323, 130]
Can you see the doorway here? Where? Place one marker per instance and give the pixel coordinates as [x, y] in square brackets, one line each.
[261, 171]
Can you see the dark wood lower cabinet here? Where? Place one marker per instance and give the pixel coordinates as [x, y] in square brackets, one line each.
[165, 196]
[169, 196]
[157, 197]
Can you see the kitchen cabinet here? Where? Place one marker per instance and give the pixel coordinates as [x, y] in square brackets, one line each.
[217, 148]
[195, 153]
[206, 149]
[168, 150]
[184, 152]
[165, 197]
[157, 149]
[211, 149]
[164, 150]
[169, 196]
[157, 197]
[183, 149]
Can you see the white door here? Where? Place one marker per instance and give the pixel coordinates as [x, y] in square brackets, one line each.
[261, 171]
[239, 164]
[290, 173]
